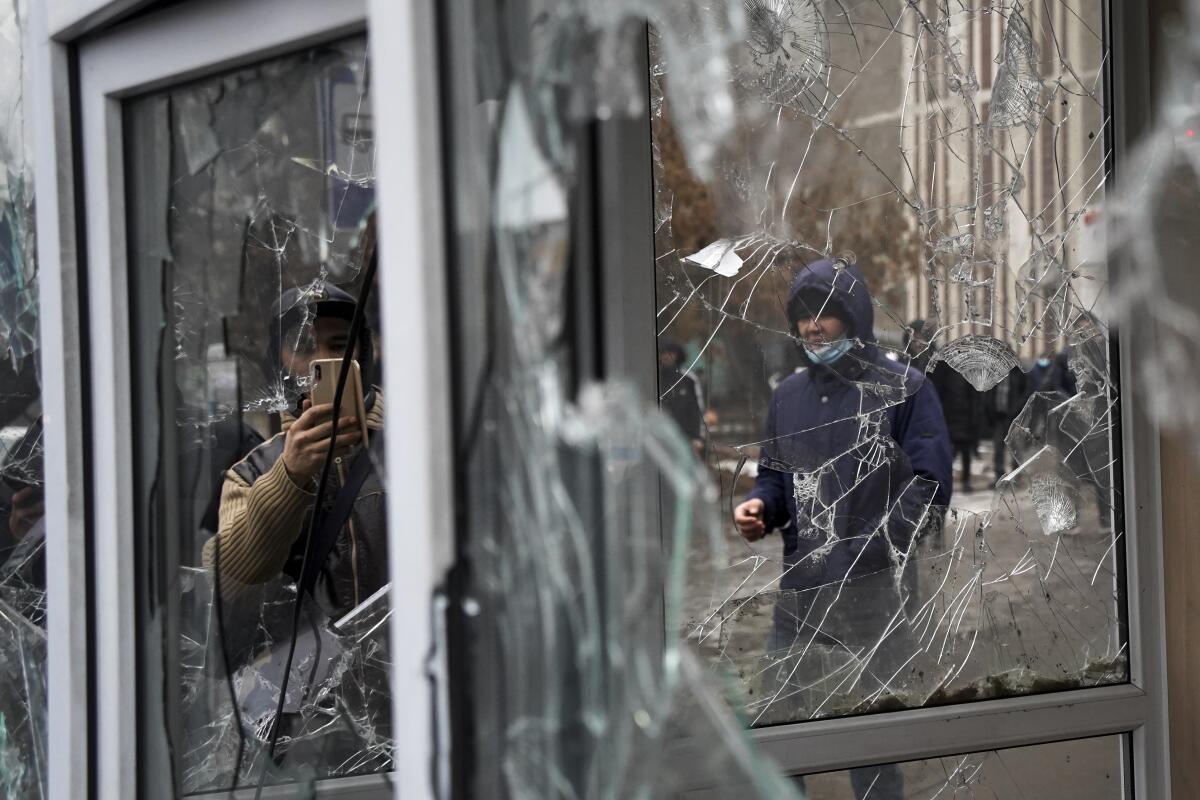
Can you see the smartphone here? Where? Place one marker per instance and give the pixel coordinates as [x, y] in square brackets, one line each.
[323, 380]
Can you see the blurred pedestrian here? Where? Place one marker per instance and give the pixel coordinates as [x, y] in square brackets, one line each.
[1004, 403]
[679, 392]
[962, 404]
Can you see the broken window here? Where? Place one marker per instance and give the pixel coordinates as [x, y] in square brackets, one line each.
[23, 741]
[262, 567]
[576, 500]
[938, 521]
[1083, 768]
[882, 322]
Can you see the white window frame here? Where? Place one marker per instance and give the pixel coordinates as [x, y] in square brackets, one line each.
[225, 33]
[82, 73]
[63, 406]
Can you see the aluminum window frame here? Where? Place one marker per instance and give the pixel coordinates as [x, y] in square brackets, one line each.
[65, 406]
[149, 53]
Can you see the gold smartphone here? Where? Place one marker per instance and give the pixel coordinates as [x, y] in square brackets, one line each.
[323, 380]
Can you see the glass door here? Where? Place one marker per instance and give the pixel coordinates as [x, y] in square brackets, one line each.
[243, 590]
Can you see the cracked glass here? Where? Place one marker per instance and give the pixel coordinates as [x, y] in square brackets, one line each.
[23, 711]
[884, 468]
[261, 561]
[882, 315]
[1093, 768]
[576, 498]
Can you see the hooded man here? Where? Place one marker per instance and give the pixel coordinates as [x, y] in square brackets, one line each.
[268, 496]
[855, 463]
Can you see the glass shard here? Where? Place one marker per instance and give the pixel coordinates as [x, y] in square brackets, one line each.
[982, 360]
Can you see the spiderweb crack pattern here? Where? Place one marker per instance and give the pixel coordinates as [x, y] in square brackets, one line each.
[956, 150]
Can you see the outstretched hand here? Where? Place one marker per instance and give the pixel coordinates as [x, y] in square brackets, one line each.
[749, 520]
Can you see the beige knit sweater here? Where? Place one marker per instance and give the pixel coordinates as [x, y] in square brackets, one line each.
[261, 521]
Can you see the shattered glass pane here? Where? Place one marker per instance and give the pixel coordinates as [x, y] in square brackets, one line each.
[577, 502]
[1091, 768]
[23, 740]
[880, 321]
[788, 44]
[251, 203]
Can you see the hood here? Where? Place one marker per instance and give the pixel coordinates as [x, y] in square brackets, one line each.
[849, 290]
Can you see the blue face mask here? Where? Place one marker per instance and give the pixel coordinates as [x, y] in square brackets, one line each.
[827, 354]
[1043, 362]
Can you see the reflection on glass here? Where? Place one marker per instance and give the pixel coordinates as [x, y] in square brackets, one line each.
[880, 317]
[575, 499]
[1091, 768]
[251, 233]
[22, 496]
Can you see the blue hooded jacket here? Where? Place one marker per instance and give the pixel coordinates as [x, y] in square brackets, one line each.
[855, 453]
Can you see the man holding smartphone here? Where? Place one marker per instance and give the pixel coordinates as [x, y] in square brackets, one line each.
[268, 496]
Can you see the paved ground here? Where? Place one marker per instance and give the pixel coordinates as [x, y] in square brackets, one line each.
[1004, 598]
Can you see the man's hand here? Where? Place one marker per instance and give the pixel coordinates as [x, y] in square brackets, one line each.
[749, 520]
[307, 441]
[28, 507]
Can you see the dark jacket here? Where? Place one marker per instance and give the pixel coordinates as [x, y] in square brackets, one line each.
[1060, 377]
[962, 404]
[1054, 377]
[681, 400]
[853, 453]
[1005, 401]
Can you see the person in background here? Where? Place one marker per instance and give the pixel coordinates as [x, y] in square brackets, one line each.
[918, 344]
[679, 392]
[1004, 403]
[1052, 373]
[1061, 377]
[1037, 374]
[962, 405]
[855, 459]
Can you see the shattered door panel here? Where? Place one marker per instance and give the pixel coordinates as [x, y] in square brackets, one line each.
[251, 198]
[882, 322]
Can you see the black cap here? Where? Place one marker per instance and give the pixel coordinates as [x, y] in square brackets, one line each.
[295, 305]
[306, 303]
